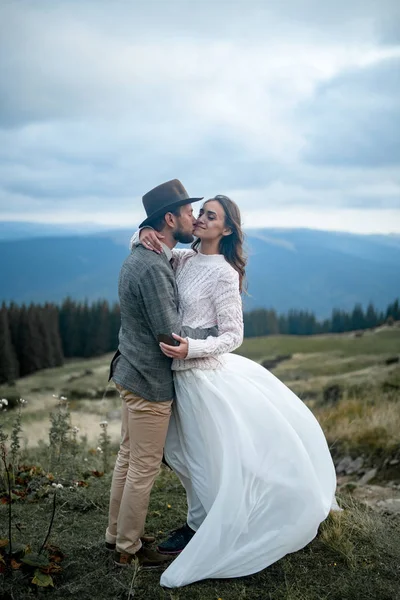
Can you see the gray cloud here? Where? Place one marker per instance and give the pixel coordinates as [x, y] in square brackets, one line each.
[288, 106]
[355, 118]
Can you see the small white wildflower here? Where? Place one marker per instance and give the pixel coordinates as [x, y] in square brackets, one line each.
[99, 449]
[63, 398]
[55, 396]
[4, 401]
[104, 424]
[85, 459]
[60, 486]
[75, 430]
[22, 401]
[53, 485]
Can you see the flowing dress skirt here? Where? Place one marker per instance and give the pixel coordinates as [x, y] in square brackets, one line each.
[257, 461]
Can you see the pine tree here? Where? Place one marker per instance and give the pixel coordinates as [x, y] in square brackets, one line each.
[371, 317]
[29, 348]
[98, 329]
[45, 346]
[69, 326]
[393, 311]
[8, 361]
[357, 318]
[115, 324]
[84, 325]
[283, 324]
[55, 337]
[272, 324]
[259, 322]
[13, 320]
[340, 321]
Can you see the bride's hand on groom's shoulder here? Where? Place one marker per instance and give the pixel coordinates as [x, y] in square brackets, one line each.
[150, 239]
[180, 351]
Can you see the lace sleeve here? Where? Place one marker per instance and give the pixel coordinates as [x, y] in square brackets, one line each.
[135, 241]
[178, 254]
[228, 304]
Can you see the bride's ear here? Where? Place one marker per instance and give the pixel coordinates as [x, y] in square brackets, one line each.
[227, 231]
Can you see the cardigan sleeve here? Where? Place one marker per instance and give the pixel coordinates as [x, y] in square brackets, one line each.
[228, 304]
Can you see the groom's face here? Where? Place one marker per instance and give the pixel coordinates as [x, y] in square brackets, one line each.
[183, 232]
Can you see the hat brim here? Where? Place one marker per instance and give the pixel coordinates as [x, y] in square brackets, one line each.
[168, 208]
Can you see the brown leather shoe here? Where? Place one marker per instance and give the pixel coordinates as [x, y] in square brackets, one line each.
[147, 559]
[147, 540]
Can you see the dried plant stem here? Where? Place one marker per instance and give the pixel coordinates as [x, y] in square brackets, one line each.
[4, 459]
[51, 523]
[131, 593]
[9, 510]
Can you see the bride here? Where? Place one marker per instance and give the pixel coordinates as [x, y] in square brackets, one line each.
[253, 459]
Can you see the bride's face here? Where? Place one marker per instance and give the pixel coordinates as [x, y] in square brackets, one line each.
[210, 224]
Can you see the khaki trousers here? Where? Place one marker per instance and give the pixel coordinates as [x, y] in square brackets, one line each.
[143, 432]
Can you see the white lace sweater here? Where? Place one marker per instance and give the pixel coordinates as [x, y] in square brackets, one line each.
[208, 289]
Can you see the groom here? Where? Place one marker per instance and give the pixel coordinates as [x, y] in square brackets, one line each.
[142, 373]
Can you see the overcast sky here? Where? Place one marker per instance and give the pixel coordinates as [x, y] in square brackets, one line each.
[290, 107]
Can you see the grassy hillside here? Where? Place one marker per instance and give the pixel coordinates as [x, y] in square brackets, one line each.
[365, 369]
[358, 364]
[379, 342]
[356, 555]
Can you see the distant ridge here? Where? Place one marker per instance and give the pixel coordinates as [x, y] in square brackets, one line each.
[287, 268]
[17, 230]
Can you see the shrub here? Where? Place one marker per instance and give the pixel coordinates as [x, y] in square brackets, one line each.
[271, 363]
[332, 394]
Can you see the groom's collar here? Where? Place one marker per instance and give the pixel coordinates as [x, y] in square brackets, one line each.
[167, 251]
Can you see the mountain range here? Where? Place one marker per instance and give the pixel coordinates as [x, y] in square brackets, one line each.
[287, 268]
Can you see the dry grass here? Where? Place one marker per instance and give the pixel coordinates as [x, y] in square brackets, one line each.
[85, 414]
[344, 531]
[368, 424]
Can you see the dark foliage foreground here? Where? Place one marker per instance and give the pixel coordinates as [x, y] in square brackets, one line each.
[356, 555]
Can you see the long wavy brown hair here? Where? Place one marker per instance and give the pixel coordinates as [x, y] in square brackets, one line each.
[231, 246]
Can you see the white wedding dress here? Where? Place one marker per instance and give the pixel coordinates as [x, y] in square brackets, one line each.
[253, 459]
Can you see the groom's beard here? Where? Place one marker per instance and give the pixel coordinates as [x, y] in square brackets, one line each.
[182, 237]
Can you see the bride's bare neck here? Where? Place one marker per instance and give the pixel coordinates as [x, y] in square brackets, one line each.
[209, 247]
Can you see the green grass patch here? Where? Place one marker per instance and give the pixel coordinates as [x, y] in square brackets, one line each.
[381, 341]
[326, 364]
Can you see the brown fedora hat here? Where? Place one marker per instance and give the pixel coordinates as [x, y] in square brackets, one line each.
[164, 198]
